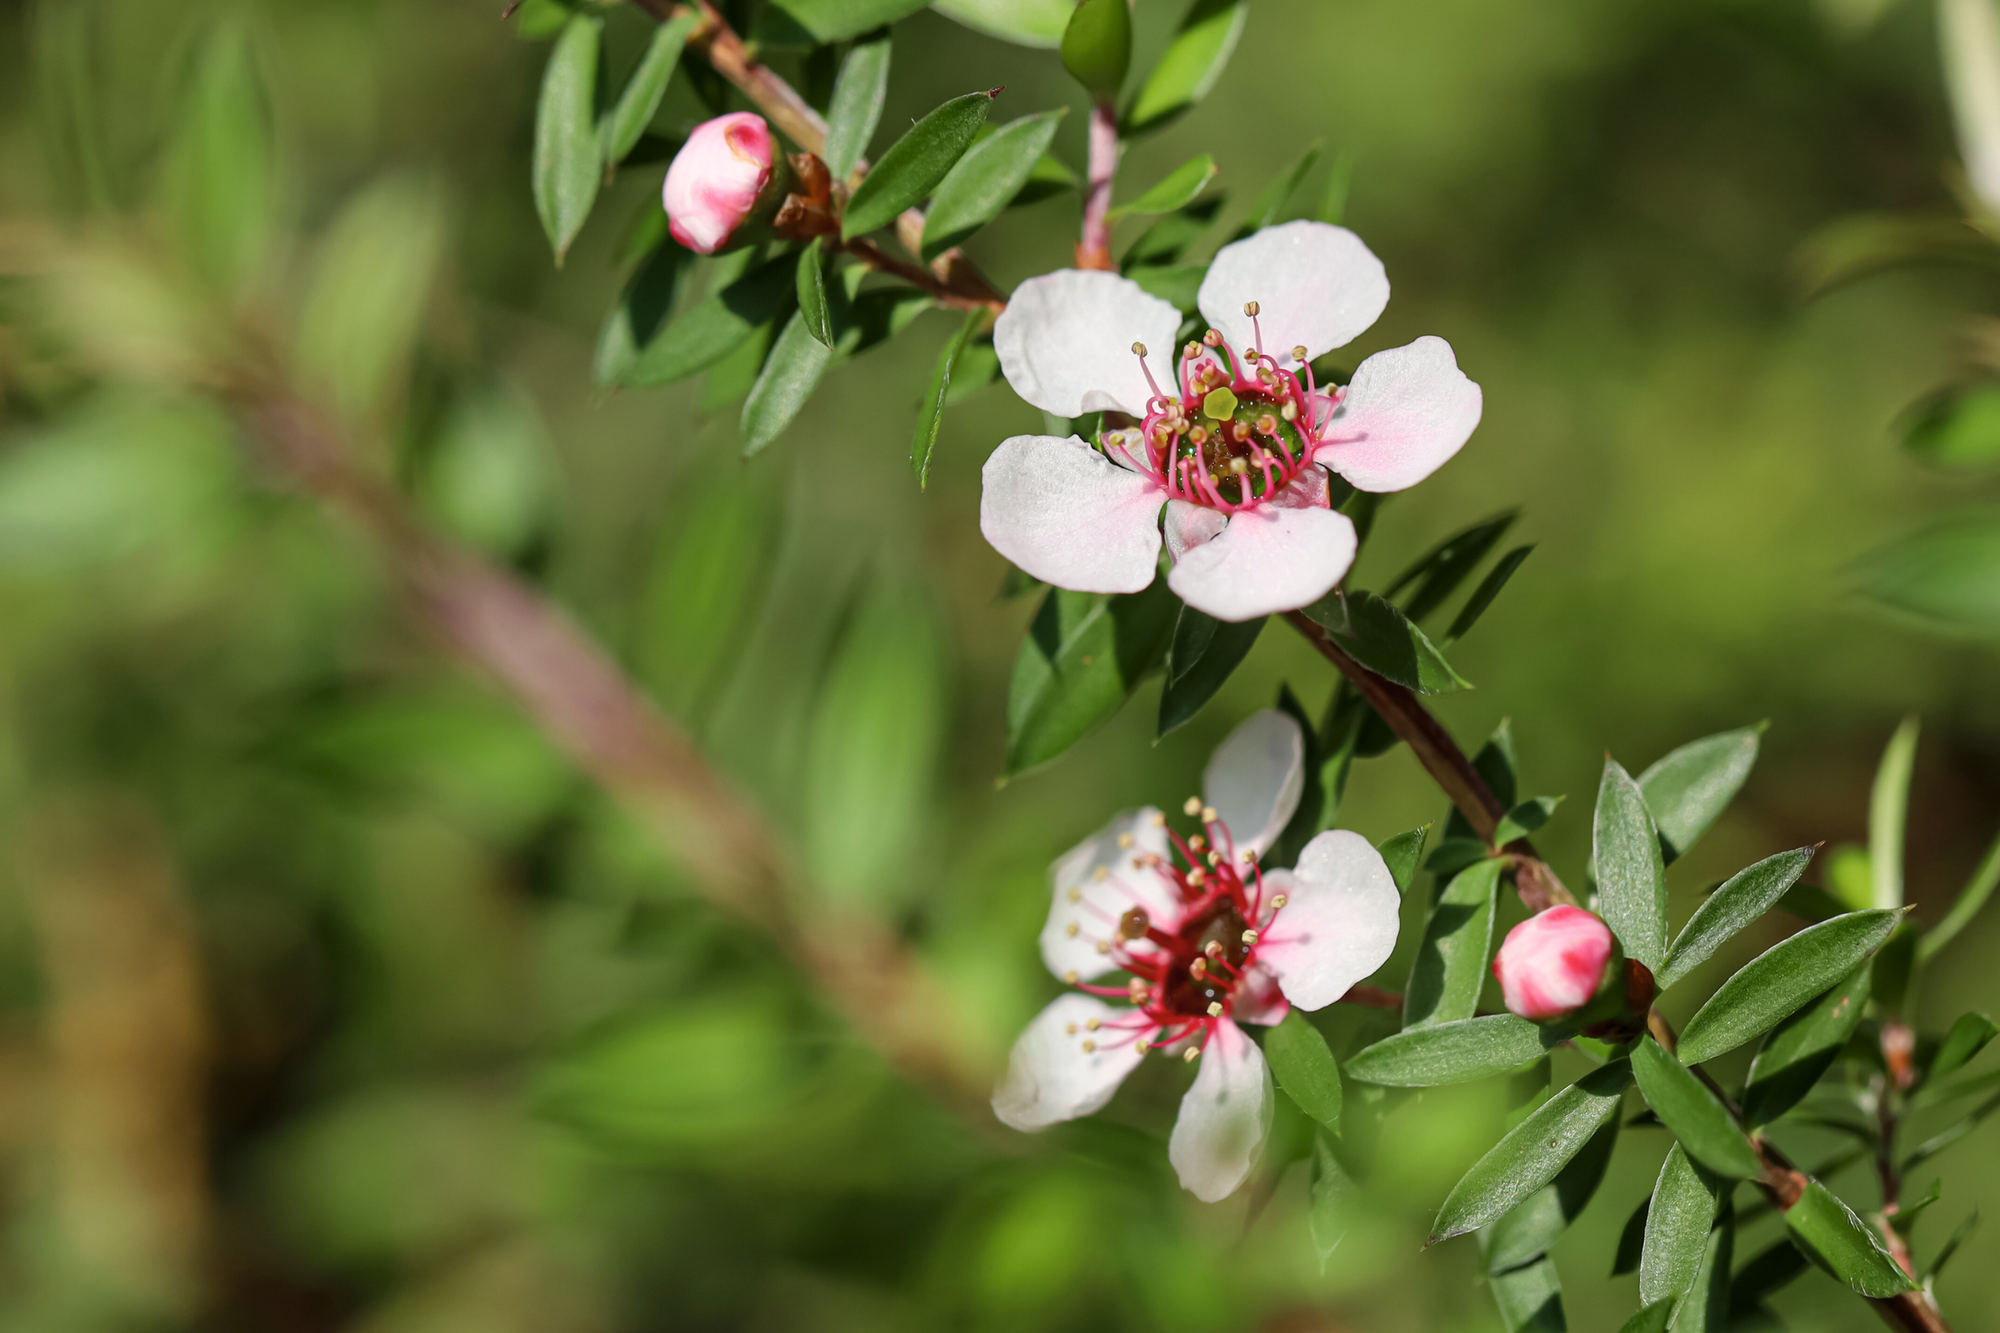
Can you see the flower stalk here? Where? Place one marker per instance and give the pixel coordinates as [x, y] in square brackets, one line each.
[1094, 250]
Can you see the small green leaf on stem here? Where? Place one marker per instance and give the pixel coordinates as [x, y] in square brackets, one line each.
[1378, 635]
[1829, 1234]
[1743, 898]
[1305, 1068]
[1631, 879]
[1097, 46]
[1450, 966]
[915, 163]
[1482, 596]
[986, 180]
[1455, 1052]
[1402, 852]
[1205, 652]
[1193, 61]
[1802, 1048]
[628, 118]
[1776, 983]
[856, 109]
[1689, 787]
[1179, 188]
[568, 161]
[932, 414]
[1888, 811]
[814, 308]
[1696, 1116]
[1269, 207]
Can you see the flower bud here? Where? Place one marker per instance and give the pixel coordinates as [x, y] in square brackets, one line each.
[1556, 962]
[727, 176]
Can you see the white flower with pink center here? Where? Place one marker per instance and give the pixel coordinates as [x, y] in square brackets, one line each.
[1207, 939]
[1235, 449]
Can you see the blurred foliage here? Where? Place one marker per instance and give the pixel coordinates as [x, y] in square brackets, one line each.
[467, 1053]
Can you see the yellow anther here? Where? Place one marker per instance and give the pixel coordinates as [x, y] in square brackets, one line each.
[1196, 875]
[1191, 351]
[1124, 840]
[1290, 411]
[1191, 1055]
[1215, 858]
[1104, 946]
[1250, 309]
[1278, 902]
[1248, 856]
[1070, 1028]
[1215, 1008]
[1208, 814]
[1299, 353]
[1249, 937]
[1070, 930]
[1198, 968]
[1213, 949]
[1099, 874]
[1213, 338]
[1197, 842]
[1158, 820]
[1138, 349]
[1094, 1024]
[1070, 978]
[1239, 466]
[1193, 805]
[1088, 1046]
[1075, 895]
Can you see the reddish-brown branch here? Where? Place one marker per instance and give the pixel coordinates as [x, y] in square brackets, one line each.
[1434, 748]
[1094, 250]
[876, 258]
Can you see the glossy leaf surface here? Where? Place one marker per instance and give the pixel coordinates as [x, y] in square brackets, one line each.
[1743, 898]
[1829, 1234]
[931, 414]
[1688, 788]
[1453, 1052]
[1695, 1115]
[1781, 980]
[1631, 878]
[856, 109]
[568, 161]
[1450, 967]
[1082, 657]
[1305, 1068]
[1375, 632]
[1193, 61]
[986, 180]
[915, 164]
[1531, 1154]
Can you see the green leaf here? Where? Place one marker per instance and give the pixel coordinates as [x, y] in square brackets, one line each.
[1204, 653]
[1958, 426]
[1165, 241]
[1097, 46]
[1650, 1319]
[1532, 1226]
[790, 374]
[627, 120]
[814, 308]
[640, 311]
[1038, 23]
[1695, 1115]
[1402, 852]
[1533, 1152]
[1802, 1048]
[1967, 1038]
[1865, 243]
[1524, 819]
[1448, 564]
[1179, 285]
[1379, 636]
[856, 109]
[1888, 807]
[1529, 1297]
[1766, 1273]
[219, 180]
[1631, 878]
[1269, 206]
[1193, 61]
[1333, 200]
[838, 20]
[1829, 1234]
[1782, 979]
[1950, 1247]
[915, 164]
[1305, 1068]
[704, 590]
[1176, 190]
[1632, 1239]
[1482, 596]
[1966, 906]
[1744, 897]
[872, 753]
[986, 180]
[489, 479]
[1811, 903]
[541, 19]
[1082, 658]
[932, 414]
[1705, 1309]
[1450, 966]
[569, 162]
[1944, 575]
[370, 282]
[1944, 1138]
[704, 335]
[1333, 1198]
[1687, 789]
[731, 379]
[1453, 1052]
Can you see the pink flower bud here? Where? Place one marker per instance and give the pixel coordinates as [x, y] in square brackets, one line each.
[718, 180]
[1553, 963]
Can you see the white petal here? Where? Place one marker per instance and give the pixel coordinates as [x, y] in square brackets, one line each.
[1100, 902]
[1224, 1117]
[1255, 777]
[1065, 342]
[1970, 32]
[1190, 525]
[1407, 412]
[1268, 559]
[1070, 516]
[1338, 923]
[1313, 283]
[1051, 1078]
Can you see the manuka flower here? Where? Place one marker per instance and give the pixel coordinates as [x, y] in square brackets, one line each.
[1207, 938]
[1556, 962]
[1235, 448]
[726, 174]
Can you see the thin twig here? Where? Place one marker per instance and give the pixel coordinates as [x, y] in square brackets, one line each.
[1434, 748]
[1094, 250]
[876, 258]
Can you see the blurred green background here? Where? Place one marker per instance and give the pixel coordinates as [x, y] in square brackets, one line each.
[331, 997]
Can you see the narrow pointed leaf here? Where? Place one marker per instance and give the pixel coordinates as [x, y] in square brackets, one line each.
[1966, 906]
[1950, 1247]
[1778, 982]
[1205, 651]
[1650, 1319]
[1036, 23]
[1402, 852]
[1455, 1052]
[1705, 1309]
[642, 308]
[915, 164]
[1689, 787]
[568, 162]
[1080, 660]
[986, 180]
[1529, 1297]
[837, 20]
[1742, 898]
[1439, 571]
[932, 412]
[1944, 575]
[1802, 1048]
[1097, 45]
[718, 326]
[1165, 242]
[1269, 207]
[1531, 1154]
[1176, 190]
[1305, 1068]
[790, 374]
[814, 307]
[1450, 966]
[1524, 819]
[1677, 1227]
[1375, 632]
[1193, 61]
[1631, 879]
[1533, 1225]
[1482, 596]
[1632, 1239]
[218, 180]
[628, 118]
[1967, 1038]
[858, 95]
[1697, 1118]
[1334, 1198]
[1829, 1234]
